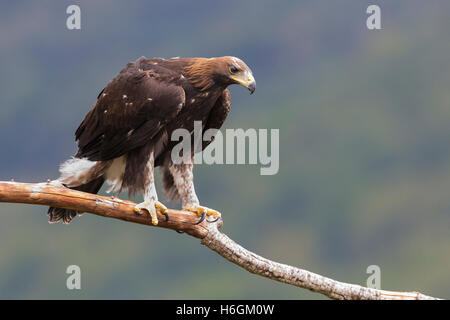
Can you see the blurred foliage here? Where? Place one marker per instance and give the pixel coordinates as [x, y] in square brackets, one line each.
[364, 145]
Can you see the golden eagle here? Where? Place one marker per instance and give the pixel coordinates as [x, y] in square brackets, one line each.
[127, 132]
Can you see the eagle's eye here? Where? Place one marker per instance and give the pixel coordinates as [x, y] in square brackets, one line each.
[233, 69]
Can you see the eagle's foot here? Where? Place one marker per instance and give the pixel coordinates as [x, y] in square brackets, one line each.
[203, 212]
[151, 207]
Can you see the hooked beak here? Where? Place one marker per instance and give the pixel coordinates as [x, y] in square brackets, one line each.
[251, 87]
[246, 79]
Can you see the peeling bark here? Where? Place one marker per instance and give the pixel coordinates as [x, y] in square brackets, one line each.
[50, 194]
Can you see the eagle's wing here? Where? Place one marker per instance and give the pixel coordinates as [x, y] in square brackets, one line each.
[129, 112]
[218, 114]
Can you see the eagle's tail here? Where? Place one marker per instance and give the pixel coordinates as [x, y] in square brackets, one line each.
[66, 215]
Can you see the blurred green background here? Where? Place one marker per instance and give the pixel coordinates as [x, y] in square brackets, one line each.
[364, 119]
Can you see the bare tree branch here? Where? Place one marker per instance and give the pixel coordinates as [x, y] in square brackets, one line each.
[50, 194]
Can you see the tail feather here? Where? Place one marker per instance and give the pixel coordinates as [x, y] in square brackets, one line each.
[66, 215]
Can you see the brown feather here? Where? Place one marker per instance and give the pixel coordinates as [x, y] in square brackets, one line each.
[205, 73]
[136, 114]
[200, 72]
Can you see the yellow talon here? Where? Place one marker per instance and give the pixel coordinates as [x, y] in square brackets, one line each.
[200, 209]
[151, 207]
[161, 207]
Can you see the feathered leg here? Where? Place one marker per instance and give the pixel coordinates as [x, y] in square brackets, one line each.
[151, 203]
[183, 179]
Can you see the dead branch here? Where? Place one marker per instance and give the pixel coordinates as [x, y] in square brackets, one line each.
[50, 194]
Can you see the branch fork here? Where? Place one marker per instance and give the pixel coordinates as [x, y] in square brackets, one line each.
[51, 194]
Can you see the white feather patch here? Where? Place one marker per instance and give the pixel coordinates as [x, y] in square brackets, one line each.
[114, 174]
[74, 167]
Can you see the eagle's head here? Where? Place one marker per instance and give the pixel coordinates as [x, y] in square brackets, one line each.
[221, 71]
[233, 70]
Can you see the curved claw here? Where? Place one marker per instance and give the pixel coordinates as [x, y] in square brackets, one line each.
[178, 231]
[202, 218]
[215, 220]
[167, 216]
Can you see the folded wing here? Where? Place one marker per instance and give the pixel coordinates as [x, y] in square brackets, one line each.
[132, 109]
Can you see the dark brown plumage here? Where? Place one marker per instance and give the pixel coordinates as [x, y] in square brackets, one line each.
[135, 115]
